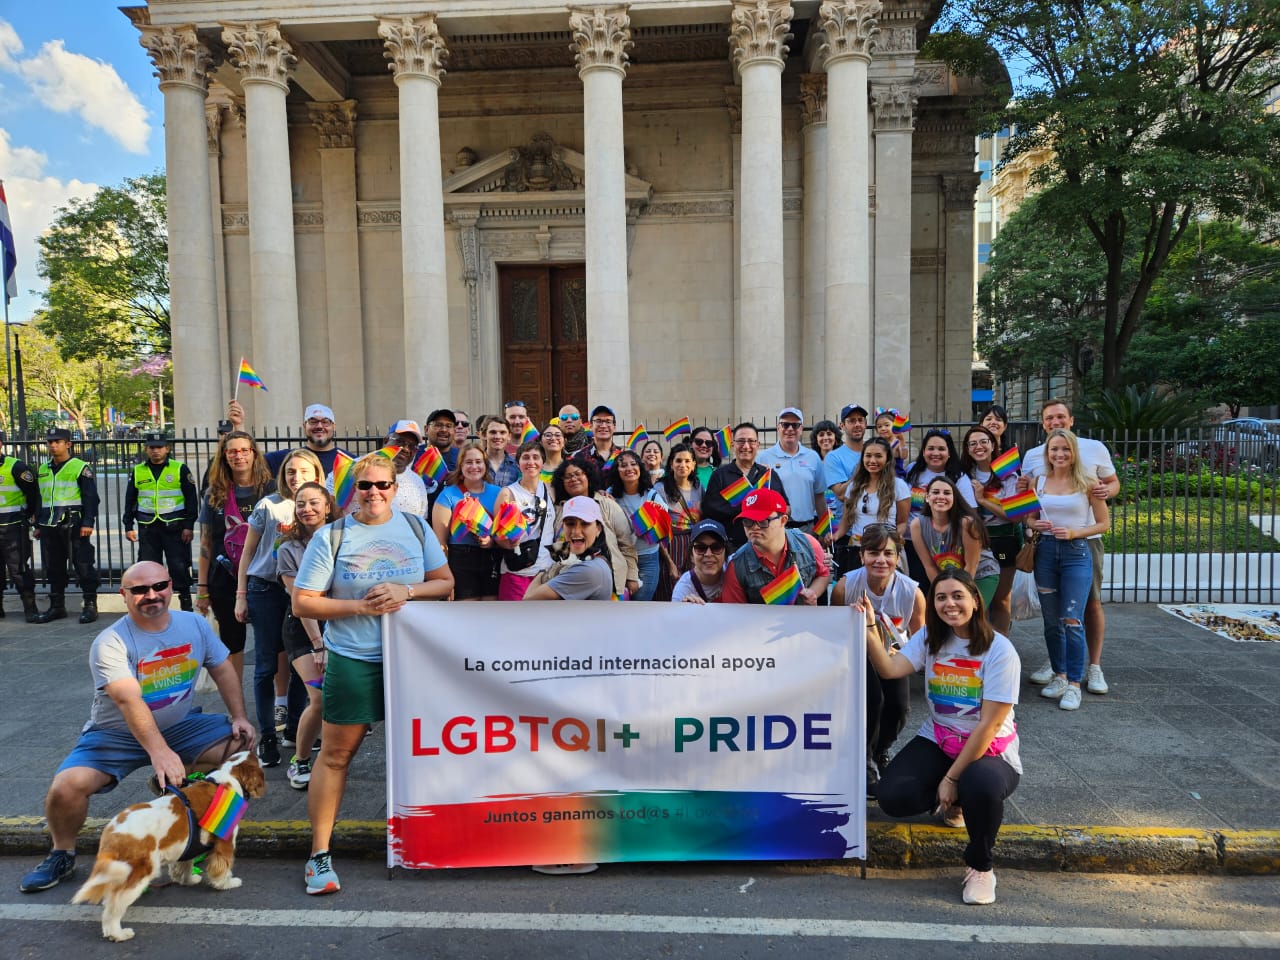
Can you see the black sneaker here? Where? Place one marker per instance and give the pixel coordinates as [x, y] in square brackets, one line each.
[59, 865]
[269, 752]
[873, 779]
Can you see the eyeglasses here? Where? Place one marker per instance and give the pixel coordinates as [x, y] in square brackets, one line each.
[575, 417]
[788, 425]
[708, 548]
[749, 524]
[983, 442]
[513, 403]
[319, 422]
[370, 484]
[746, 443]
[240, 453]
[602, 421]
[146, 588]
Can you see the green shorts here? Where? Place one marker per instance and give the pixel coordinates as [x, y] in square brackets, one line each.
[1095, 588]
[352, 690]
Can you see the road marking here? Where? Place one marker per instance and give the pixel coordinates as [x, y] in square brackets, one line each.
[746, 886]
[631, 924]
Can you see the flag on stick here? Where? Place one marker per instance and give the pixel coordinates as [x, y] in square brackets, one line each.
[8, 250]
[681, 428]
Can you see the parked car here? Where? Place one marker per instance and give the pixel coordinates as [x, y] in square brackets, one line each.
[1255, 441]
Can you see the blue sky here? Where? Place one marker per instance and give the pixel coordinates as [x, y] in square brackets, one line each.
[79, 109]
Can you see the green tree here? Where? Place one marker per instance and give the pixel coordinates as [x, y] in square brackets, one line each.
[1153, 112]
[106, 260]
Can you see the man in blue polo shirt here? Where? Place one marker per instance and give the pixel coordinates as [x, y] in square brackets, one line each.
[799, 468]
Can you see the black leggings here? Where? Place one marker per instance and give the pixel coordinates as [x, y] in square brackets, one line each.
[910, 787]
[888, 705]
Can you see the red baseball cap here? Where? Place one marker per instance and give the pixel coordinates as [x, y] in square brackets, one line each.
[762, 504]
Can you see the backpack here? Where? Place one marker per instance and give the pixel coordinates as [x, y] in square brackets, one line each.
[237, 529]
[416, 524]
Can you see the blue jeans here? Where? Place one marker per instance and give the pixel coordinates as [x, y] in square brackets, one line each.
[268, 602]
[1064, 574]
[647, 563]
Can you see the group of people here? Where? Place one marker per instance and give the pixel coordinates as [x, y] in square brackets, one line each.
[922, 546]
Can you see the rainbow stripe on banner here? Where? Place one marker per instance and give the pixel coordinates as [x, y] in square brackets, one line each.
[917, 499]
[530, 433]
[344, 481]
[1007, 463]
[901, 422]
[470, 517]
[822, 526]
[1020, 505]
[735, 491]
[724, 440]
[783, 589]
[652, 522]
[224, 813]
[250, 376]
[428, 464]
[509, 522]
[947, 558]
[681, 428]
[639, 437]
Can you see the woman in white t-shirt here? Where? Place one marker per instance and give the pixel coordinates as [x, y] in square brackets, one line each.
[532, 495]
[963, 763]
[875, 496]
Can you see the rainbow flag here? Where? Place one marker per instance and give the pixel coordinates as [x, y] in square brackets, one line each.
[509, 522]
[735, 491]
[901, 422]
[947, 558]
[681, 428]
[639, 437]
[470, 517]
[224, 813]
[613, 455]
[917, 499]
[822, 526]
[783, 589]
[530, 433]
[651, 522]
[546, 475]
[429, 465]
[344, 481]
[1007, 463]
[724, 440]
[764, 478]
[250, 376]
[390, 451]
[1020, 505]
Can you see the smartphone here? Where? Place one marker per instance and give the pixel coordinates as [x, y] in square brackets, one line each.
[224, 426]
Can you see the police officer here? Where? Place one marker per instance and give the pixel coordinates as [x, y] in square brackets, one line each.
[64, 526]
[19, 505]
[161, 497]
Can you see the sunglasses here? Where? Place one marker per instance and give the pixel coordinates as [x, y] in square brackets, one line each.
[865, 498]
[513, 403]
[463, 423]
[759, 524]
[708, 548]
[146, 588]
[703, 442]
[788, 425]
[571, 416]
[370, 484]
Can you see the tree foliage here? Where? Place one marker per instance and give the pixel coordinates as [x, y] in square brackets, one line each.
[1153, 113]
[106, 260]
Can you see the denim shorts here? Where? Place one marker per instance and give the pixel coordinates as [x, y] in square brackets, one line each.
[117, 754]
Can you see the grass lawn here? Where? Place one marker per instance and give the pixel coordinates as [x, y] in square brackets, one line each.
[1177, 525]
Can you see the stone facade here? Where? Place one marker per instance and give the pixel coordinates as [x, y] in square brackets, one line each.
[349, 181]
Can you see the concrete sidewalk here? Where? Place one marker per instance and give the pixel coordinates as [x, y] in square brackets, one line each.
[1176, 769]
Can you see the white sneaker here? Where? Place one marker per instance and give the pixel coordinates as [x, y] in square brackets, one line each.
[979, 886]
[1055, 688]
[1095, 681]
[1042, 676]
[1070, 699]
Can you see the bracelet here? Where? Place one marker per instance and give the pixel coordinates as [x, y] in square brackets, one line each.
[242, 593]
[201, 584]
[202, 596]
[950, 779]
[1071, 534]
[409, 588]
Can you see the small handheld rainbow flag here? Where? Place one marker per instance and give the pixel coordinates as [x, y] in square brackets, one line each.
[764, 478]
[250, 376]
[390, 451]
[1020, 505]
[735, 491]
[1007, 463]
[724, 440]
[429, 465]
[651, 522]
[546, 475]
[681, 428]
[783, 589]
[509, 522]
[901, 422]
[224, 813]
[822, 526]
[344, 481]
[917, 499]
[947, 558]
[639, 437]
[470, 517]
[530, 433]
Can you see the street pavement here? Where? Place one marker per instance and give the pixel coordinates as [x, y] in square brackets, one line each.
[1177, 769]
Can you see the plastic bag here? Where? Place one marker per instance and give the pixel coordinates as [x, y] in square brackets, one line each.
[1025, 598]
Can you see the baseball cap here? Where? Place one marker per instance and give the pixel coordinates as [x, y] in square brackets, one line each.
[596, 411]
[794, 411]
[760, 504]
[713, 527]
[58, 433]
[853, 408]
[443, 414]
[584, 508]
[156, 440]
[318, 411]
[407, 426]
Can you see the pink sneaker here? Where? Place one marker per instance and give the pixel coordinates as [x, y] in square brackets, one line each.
[979, 886]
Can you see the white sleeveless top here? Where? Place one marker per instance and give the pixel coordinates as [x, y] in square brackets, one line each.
[1064, 509]
[897, 602]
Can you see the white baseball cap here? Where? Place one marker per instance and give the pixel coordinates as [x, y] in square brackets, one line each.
[584, 508]
[318, 411]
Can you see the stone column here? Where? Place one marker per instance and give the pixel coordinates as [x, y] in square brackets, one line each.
[894, 106]
[813, 107]
[758, 42]
[182, 63]
[733, 106]
[214, 116]
[417, 51]
[849, 29]
[336, 123]
[955, 353]
[264, 59]
[601, 37]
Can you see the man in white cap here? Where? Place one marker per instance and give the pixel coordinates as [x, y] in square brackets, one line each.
[799, 468]
[317, 425]
[411, 492]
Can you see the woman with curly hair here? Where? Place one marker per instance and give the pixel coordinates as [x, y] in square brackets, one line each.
[580, 477]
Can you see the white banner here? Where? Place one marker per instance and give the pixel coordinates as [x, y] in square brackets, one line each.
[565, 732]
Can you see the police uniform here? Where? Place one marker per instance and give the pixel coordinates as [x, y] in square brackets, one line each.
[19, 505]
[68, 502]
[162, 500]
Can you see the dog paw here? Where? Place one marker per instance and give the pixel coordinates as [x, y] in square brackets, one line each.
[119, 936]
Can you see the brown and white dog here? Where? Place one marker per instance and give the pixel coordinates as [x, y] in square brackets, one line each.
[143, 839]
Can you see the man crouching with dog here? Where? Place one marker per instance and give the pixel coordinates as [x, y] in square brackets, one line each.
[144, 670]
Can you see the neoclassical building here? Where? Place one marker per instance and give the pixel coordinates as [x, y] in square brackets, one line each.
[710, 208]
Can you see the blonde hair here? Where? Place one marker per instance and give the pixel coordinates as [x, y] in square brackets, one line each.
[370, 460]
[1081, 481]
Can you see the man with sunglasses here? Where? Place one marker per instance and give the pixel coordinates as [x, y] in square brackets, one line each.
[144, 670]
[771, 549]
[800, 470]
[461, 430]
[570, 421]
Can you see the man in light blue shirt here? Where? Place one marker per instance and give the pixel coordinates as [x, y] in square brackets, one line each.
[799, 468]
[844, 459]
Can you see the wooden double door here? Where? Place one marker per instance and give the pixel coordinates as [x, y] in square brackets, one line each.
[543, 310]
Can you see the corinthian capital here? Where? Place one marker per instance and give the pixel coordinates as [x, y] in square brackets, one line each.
[759, 30]
[813, 98]
[213, 127]
[850, 28]
[601, 38]
[336, 123]
[894, 105]
[259, 51]
[415, 46]
[178, 55]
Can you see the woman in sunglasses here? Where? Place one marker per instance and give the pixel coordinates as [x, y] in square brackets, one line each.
[333, 586]
[875, 495]
[472, 559]
[705, 578]
[706, 452]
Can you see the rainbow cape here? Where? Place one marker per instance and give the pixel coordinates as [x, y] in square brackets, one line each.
[681, 428]
[1007, 463]
[901, 422]
[224, 813]
[509, 522]
[724, 440]
[947, 558]
[917, 499]
[822, 526]
[651, 522]
[639, 437]
[250, 376]
[470, 517]
[735, 491]
[783, 589]
[428, 464]
[1020, 505]
[344, 481]
[530, 433]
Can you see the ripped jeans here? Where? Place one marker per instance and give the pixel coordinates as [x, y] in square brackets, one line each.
[1064, 574]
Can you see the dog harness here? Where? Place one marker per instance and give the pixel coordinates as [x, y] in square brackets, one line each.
[195, 846]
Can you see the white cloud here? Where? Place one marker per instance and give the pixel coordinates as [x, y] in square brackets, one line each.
[73, 83]
[10, 45]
